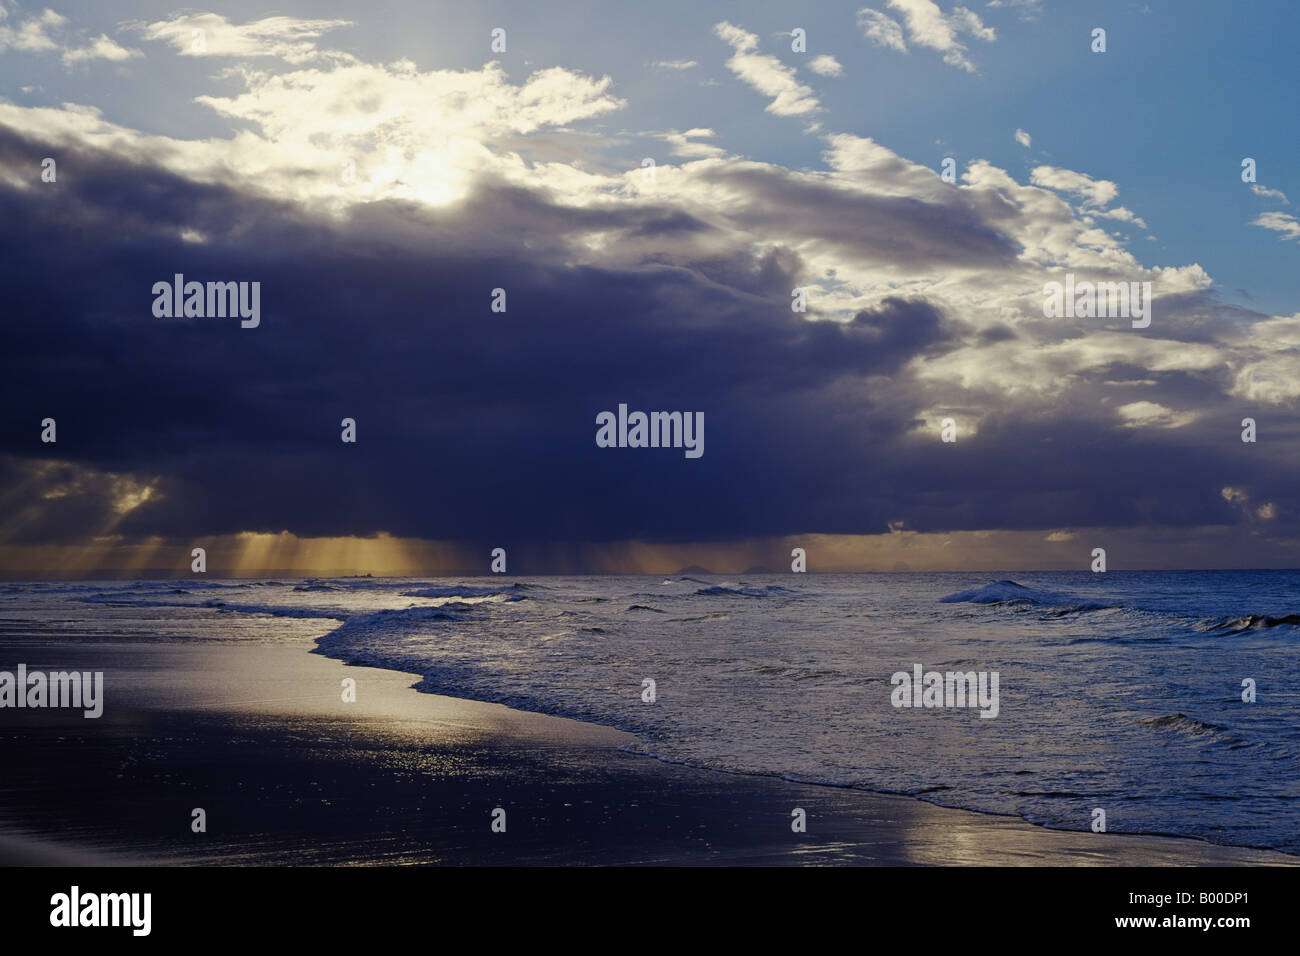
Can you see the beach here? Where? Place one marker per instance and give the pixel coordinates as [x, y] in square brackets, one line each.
[258, 736]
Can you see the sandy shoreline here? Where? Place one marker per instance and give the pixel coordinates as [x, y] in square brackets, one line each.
[259, 737]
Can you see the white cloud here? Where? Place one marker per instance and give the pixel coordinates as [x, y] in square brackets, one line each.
[1122, 214]
[766, 74]
[101, 47]
[418, 136]
[675, 64]
[683, 146]
[1266, 193]
[928, 26]
[288, 38]
[967, 21]
[1029, 9]
[1267, 365]
[826, 65]
[1280, 222]
[1153, 415]
[33, 35]
[49, 32]
[740, 40]
[1094, 192]
[883, 30]
[1023, 138]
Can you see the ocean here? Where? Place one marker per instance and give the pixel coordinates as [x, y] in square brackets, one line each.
[1120, 691]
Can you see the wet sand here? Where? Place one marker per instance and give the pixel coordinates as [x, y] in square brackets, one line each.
[258, 736]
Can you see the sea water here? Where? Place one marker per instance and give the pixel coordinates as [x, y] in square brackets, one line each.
[1122, 691]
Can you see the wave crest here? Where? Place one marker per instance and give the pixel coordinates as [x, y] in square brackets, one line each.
[717, 590]
[1184, 724]
[1014, 593]
[1246, 622]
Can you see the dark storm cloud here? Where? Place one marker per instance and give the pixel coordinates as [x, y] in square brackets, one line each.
[902, 232]
[996, 333]
[480, 426]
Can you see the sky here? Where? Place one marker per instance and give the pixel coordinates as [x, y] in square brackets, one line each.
[379, 172]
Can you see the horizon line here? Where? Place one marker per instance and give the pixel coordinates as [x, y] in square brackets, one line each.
[299, 573]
